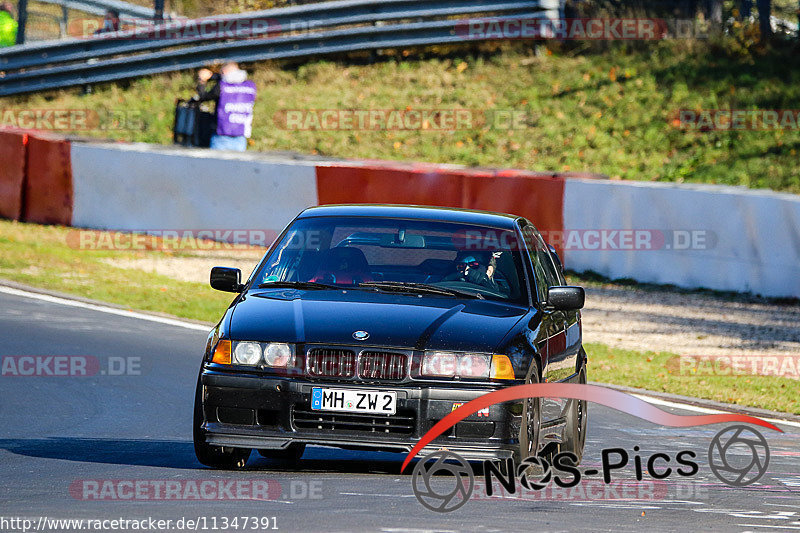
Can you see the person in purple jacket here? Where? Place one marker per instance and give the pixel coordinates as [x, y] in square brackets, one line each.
[235, 96]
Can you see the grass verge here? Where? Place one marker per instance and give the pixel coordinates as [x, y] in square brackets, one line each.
[611, 111]
[661, 372]
[42, 256]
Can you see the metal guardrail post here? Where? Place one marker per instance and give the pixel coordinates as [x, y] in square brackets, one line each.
[158, 13]
[22, 21]
[64, 21]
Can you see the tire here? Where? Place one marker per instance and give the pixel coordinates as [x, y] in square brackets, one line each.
[291, 454]
[221, 457]
[530, 427]
[575, 431]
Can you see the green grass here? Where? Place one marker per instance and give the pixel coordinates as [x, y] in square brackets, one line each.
[604, 111]
[661, 372]
[41, 256]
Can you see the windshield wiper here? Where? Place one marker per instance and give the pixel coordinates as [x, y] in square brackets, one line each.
[400, 286]
[302, 285]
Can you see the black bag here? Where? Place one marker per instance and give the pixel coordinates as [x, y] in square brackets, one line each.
[193, 126]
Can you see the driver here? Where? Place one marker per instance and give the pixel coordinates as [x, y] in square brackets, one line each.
[473, 268]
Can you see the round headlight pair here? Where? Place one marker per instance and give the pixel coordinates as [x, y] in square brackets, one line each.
[273, 354]
[449, 365]
[247, 353]
[276, 354]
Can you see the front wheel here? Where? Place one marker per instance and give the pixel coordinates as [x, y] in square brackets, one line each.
[222, 457]
[531, 422]
[575, 431]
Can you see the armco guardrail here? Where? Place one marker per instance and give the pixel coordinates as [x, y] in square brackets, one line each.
[99, 7]
[198, 51]
[308, 17]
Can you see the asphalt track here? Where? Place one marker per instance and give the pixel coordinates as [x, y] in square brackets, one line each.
[57, 433]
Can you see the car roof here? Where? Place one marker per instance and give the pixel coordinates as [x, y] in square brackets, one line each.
[415, 212]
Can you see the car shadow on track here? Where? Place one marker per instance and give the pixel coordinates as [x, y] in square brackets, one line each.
[173, 454]
[180, 454]
[324, 460]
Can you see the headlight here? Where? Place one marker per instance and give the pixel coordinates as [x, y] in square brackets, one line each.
[439, 364]
[470, 366]
[247, 353]
[474, 366]
[278, 355]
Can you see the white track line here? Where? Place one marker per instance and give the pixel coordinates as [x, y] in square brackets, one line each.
[706, 410]
[104, 309]
[198, 327]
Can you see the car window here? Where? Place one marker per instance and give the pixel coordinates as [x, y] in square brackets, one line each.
[550, 272]
[349, 251]
[531, 242]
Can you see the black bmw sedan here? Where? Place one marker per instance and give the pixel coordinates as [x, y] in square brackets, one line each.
[364, 325]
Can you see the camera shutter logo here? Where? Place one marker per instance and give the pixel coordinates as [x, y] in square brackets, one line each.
[738, 456]
[527, 473]
[446, 493]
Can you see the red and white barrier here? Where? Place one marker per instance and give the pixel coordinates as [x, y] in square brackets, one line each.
[140, 187]
[48, 180]
[535, 196]
[13, 151]
[719, 238]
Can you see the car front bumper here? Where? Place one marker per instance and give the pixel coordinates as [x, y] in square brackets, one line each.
[272, 412]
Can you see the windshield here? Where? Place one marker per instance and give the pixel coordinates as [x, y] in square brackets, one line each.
[392, 255]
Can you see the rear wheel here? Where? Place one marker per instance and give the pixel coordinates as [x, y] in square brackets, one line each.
[222, 457]
[575, 431]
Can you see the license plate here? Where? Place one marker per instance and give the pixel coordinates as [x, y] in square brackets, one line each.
[354, 401]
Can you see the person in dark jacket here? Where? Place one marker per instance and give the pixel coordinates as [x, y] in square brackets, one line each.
[476, 268]
[110, 22]
[235, 96]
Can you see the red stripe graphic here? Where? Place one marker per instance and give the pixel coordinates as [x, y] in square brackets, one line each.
[590, 393]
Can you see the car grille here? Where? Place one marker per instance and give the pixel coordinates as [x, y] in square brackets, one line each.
[343, 363]
[331, 363]
[380, 365]
[401, 423]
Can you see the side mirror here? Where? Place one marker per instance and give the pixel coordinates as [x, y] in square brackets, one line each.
[566, 298]
[226, 279]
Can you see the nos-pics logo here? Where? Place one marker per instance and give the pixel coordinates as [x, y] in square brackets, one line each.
[444, 481]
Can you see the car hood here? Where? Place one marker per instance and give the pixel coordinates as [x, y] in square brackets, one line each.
[392, 320]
